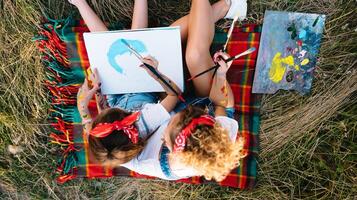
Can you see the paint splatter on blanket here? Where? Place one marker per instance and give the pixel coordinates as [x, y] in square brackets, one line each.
[289, 50]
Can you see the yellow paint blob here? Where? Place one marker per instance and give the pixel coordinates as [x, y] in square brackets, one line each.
[297, 67]
[81, 96]
[278, 67]
[305, 62]
[89, 71]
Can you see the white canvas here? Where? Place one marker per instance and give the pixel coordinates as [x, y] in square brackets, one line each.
[120, 72]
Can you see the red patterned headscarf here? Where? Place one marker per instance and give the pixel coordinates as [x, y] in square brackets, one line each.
[180, 141]
[127, 125]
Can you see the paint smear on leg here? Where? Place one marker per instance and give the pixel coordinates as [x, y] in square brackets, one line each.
[224, 89]
[278, 68]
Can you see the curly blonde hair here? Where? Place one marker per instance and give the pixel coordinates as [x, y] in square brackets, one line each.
[209, 150]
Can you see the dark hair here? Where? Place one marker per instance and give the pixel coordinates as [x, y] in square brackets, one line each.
[116, 148]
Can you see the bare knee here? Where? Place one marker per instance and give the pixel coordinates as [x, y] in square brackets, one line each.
[198, 60]
[194, 57]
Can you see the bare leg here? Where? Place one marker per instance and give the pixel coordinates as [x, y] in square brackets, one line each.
[92, 20]
[94, 23]
[140, 14]
[219, 9]
[200, 35]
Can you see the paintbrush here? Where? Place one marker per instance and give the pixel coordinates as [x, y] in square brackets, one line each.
[132, 50]
[230, 32]
[152, 69]
[249, 51]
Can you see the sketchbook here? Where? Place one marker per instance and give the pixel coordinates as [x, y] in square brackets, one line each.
[119, 69]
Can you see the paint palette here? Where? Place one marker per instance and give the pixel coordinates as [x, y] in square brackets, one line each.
[288, 51]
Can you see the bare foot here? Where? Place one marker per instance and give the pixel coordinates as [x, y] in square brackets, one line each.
[227, 5]
[77, 2]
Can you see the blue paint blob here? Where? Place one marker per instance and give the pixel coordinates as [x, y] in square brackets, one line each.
[302, 34]
[119, 48]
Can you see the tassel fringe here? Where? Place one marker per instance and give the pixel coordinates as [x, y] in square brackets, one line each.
[62, 83]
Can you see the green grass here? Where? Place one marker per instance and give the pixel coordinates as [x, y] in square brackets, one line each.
[308, 144]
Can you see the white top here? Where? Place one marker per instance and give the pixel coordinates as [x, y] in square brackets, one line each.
[148, 161]
[151, 117]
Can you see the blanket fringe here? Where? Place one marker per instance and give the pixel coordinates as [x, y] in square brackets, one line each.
[62, 83]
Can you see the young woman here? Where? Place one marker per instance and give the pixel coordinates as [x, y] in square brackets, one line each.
[193, 143]
[119, 132]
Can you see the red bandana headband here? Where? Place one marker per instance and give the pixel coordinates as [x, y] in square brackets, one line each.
[127, 125]
[180, 140]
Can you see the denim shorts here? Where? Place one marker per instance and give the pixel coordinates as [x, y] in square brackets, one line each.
[135, 101]
[132, 101]
[202, 102]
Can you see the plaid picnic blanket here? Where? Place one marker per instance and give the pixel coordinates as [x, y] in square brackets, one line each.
[65, 58]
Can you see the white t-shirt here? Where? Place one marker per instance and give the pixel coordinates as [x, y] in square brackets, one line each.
[151, 117]
[148, 161]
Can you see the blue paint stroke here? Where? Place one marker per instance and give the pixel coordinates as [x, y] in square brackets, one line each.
[118, 48]
[302, 34]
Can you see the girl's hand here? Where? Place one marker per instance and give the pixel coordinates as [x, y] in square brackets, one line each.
[83, 98]
[85, 93]
[152, 62]
[82, 95]
[222, 70]
[94, 78]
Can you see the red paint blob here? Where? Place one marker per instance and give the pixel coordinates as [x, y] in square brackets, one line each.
[299, 43]
[222, 89]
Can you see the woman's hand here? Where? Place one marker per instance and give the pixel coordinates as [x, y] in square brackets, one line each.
[222, 70]
[219, 93]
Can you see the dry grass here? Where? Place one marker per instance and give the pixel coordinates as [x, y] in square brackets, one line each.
[308, 144]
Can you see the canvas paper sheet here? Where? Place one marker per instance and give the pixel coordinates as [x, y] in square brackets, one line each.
[288, 52]
[119, 69]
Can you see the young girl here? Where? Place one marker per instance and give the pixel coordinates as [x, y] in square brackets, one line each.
[118, 133]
